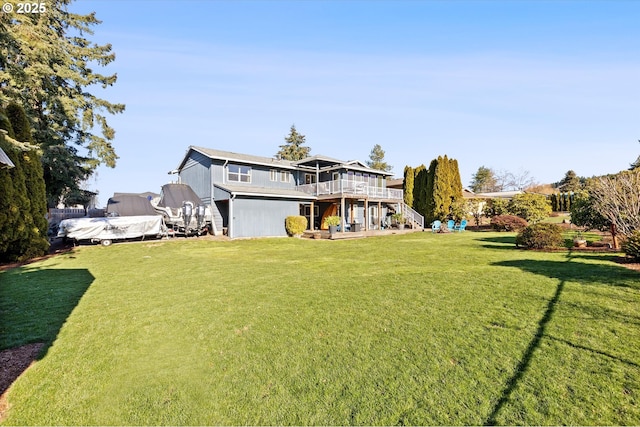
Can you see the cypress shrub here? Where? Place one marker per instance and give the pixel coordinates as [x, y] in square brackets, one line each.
[407, 186]
[23, 223]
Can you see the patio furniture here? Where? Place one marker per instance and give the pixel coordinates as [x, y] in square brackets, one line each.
[435, 226]
[451, 224]
[461, 226]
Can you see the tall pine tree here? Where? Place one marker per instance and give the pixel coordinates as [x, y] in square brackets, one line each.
[293, 148]
[47, 65]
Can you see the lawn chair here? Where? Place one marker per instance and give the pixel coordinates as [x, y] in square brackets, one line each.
[451, 224]
[435, 226]
[461, 226]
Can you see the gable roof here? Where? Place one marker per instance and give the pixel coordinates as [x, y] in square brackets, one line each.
[325, 163]
[238, 157]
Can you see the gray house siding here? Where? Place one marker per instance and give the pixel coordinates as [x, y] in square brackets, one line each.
[197, 174]
[260, 217]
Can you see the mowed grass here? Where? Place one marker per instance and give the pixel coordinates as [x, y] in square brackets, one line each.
[416, 329]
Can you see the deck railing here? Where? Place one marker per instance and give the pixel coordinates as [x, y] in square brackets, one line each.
[343, 186]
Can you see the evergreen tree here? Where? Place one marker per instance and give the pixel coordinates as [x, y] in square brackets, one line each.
[34, 178]
[45, 66]
[444, 189]
[376, 159]
[420, 189]
[293, 149]
[484, 181]
[23, 225]
[570, 182]
[407, 186]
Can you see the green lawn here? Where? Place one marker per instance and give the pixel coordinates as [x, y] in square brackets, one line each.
[454, 329]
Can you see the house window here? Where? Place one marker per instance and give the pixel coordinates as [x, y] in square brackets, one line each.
[309, 178]
[237, 173]
[284, 176]
[273, 175]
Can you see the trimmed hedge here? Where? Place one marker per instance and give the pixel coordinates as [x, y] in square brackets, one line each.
[540, 236]
[295, 225]
[508, 223]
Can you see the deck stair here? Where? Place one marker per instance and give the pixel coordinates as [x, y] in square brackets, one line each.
[414, 219]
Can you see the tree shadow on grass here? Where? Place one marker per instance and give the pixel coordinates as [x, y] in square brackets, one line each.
[501, 242]
[34, 305]
[564, 271]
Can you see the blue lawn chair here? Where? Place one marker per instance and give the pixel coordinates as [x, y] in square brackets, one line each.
[435, 226]
[451, 224]
[461, 226]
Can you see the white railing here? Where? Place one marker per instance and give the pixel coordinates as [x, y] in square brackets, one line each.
[343, 186]
[412, 215]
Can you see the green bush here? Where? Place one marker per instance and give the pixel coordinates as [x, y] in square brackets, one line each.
[295, 225]
[540, 236]
[508, 223]
[631, 245]
[532, 207]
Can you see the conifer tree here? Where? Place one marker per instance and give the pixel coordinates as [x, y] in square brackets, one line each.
[376, 159]
[420, 189]
[444, 189]
[407, 186]
[47, 66]
[34, 179]
[293, 149]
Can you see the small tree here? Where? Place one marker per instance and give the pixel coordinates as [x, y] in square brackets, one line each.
[376, 159]
[293, 148]
[532, 207]
[617, 198]
[495, 207]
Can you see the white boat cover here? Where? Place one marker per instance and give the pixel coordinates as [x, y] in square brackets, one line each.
[111, 228]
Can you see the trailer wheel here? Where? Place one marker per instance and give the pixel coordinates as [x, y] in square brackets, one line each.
[105, 242]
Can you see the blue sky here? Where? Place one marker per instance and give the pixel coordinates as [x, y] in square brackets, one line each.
[540, 86]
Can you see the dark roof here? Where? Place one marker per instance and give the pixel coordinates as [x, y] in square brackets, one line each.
[325, 163]
[240, 158]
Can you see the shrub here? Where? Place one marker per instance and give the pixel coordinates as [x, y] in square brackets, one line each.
[295, 225]
[631, 245]
[540, 236]
[508, 223]
[532, 207]
[332, 220]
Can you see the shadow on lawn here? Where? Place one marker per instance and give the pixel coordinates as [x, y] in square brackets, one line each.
[34, 305]
[564, 271]
[503, 242]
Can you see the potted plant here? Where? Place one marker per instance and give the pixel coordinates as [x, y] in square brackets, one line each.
[579, 241]
[399, 219]
[332, 222]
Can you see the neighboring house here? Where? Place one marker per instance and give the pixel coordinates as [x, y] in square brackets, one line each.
[251, 195]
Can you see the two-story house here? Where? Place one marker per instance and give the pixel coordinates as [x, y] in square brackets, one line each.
[250, 196]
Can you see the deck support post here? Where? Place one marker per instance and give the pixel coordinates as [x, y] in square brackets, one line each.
[342, 215]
